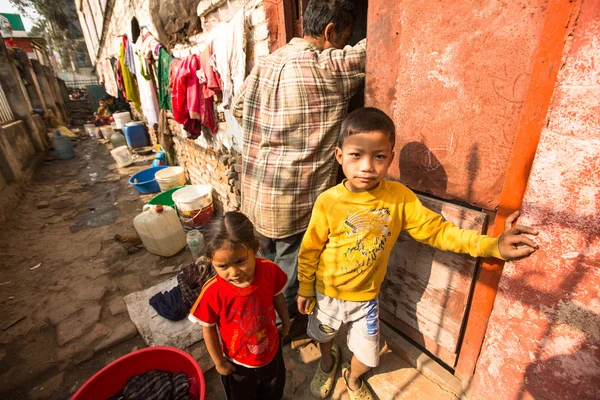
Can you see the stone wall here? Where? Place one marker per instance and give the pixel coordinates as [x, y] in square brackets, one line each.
[81, 111]
[18, 160]
[217, 167]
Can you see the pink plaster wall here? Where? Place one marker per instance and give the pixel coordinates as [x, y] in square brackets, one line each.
[543, 339]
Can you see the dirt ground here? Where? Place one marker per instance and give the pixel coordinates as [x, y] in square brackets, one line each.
[63, 278]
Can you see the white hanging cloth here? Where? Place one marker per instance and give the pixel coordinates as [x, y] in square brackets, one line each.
[229, 55]
[147, 89]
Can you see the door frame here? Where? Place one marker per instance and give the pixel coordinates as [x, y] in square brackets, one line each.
[558, 23]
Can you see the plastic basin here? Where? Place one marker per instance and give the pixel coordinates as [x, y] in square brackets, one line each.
[145, 181]
[165, 198]
[112, 379]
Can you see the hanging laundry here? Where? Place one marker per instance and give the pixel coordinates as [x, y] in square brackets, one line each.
[119, 75]
[147, 90]
[165, 137]
[188, 99]
[129, 56]
[150, 46]
[164, 88]
[229, 58]
[208, 76]
[110, 82]
[129, 83]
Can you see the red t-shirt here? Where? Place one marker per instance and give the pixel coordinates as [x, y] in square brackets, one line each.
[245, 316]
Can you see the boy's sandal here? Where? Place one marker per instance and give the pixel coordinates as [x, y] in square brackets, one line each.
[363, 393]
[322, 382]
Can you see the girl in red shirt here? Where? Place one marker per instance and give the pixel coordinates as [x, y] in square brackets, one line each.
[241, 301]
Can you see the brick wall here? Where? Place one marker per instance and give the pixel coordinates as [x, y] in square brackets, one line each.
[217, 167]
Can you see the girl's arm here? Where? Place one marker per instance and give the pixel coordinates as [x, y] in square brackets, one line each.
[211, 339]
[281, 308]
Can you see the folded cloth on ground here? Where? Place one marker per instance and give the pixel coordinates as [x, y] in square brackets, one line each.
[170, 305]
[192, 278]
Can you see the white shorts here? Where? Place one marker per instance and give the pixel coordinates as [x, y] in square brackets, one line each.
[362, 318]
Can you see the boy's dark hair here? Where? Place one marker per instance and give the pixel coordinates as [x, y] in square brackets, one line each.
[233, 228]
[367, 119]
[319, 13]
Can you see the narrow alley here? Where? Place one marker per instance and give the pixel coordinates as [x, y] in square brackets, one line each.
[415, 181]
[63, 277]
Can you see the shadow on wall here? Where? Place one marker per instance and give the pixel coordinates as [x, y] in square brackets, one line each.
[574, 374]
[420, 167]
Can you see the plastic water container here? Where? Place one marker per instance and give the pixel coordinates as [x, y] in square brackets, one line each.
[195, 206]
[135, 135]
[122, 156]
[195, 242]
[170, 177]
[62, 146]
[92, 130]
[117, 139]
[122, 118]
[160, 230]
[106, 131]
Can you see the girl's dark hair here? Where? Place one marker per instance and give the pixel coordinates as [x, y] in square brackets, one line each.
[233, 228]
[367, 119]
[319, 13]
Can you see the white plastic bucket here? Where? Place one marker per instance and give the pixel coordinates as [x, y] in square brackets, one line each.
[170, 178]
[195, 206]
[92, 130]
[107, 131]
[122, 156]
[122, 118]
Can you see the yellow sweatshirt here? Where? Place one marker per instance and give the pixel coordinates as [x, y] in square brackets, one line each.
[346, 248]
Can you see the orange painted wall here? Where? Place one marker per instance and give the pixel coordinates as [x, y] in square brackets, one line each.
[543, 338]
[453, 75]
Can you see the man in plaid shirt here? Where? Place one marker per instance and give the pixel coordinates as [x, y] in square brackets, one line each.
[292, 105]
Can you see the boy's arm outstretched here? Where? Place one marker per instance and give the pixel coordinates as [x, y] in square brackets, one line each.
[430, 228]
[314, 242]
[211, 338]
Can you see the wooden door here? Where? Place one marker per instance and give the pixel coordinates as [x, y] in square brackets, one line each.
[426, 291]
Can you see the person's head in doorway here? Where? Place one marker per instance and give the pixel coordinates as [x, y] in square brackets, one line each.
[365, 148]
[328, 23]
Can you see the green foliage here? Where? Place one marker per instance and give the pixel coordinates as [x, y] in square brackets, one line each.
[57, 23]
[61, 14]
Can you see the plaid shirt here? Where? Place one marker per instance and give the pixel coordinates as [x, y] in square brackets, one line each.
[292, 105]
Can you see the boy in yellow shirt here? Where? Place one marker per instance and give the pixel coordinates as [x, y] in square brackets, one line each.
[345, 251]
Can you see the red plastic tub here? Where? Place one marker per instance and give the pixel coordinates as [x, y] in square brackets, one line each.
[111, 379]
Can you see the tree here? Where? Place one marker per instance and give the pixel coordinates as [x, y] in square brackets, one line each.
[58, 24]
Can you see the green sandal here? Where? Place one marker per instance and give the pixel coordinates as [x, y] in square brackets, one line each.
[363, 393]
[322, 382]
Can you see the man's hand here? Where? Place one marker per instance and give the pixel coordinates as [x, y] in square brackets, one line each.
[304, 304]
[225, 368]
[513, 244]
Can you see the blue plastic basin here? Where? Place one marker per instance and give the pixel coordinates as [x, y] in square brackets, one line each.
[146, 183]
